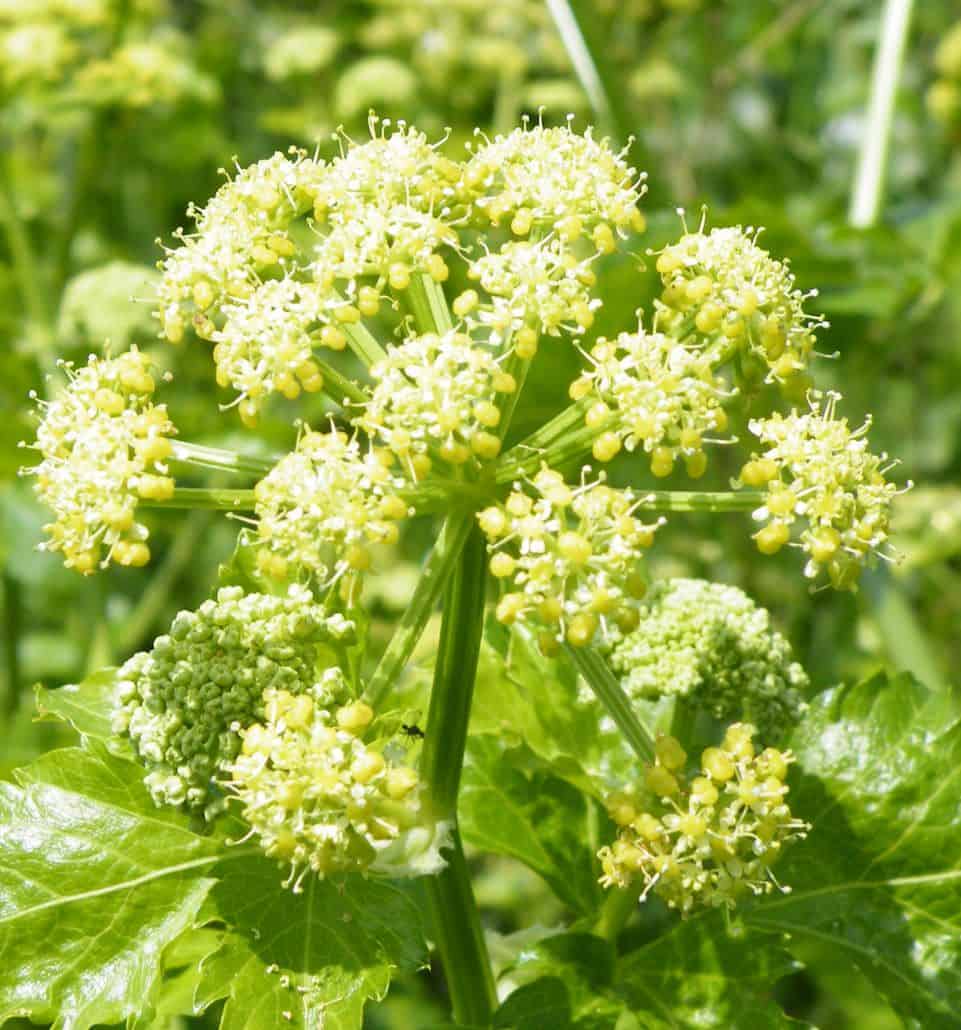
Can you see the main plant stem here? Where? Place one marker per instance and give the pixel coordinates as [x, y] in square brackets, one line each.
[457, 928]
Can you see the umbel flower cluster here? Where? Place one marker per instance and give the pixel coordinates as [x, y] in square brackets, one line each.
[709, 839]
[321, 799]
[415, 293]
[104, 445]
[183, 702]
[710, 646]
[243, 700]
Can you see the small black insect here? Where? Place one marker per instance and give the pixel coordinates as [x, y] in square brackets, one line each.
[412, 730]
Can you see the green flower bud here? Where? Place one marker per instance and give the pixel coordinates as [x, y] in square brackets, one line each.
[710, 644]
[183, 704]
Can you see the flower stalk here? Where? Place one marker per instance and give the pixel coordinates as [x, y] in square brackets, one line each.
[458, 931]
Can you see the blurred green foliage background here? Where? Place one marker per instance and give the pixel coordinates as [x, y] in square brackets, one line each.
[115, 114]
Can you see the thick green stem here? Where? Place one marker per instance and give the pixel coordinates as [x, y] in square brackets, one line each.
[434, 577]
[453, 688]
[606, 687]
[460, 942]
[339, 388]
[619, 905]
[457, 928]
[428, 304]
[206, 499]
[217, 458]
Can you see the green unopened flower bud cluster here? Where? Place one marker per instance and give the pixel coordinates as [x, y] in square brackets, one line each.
[320, 799]
[646, 390]
[436, 396]
[731, 295]
[104, 444]
[183, 703]
[324, 505]
[819, 473]
[569, 558]
[711, 645]
[709, 840]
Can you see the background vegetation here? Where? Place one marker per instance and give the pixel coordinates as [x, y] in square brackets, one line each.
[114, 114]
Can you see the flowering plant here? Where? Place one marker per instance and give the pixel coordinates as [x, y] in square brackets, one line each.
[254, 808]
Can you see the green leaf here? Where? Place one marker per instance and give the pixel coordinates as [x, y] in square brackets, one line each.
[535, 1005]
[85, 706]
[879, 876]
[584, 966]
[510, 804]
[703, 973]
[526, 698]
[95, 882]
[310, 959]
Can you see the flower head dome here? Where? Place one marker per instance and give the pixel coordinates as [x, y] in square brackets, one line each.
[104, 444]
[183, 703]
[712, 645]
[819, 473]
[708, 840]
[440, 396]
[646, 390]
[570, 557]
[544, 180]
[531, 287]
[321, 800]
[323, 505]
[729, 291]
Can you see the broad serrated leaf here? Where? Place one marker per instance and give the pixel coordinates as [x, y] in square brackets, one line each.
[510, 804]
[95, 883]
[306, 960]
[85, 706]
[703, 973]
[879, 876]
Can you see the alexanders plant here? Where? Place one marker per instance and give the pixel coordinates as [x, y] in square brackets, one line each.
[252, 769]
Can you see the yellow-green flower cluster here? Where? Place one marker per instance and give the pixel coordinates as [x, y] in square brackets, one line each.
[544, 180]
[725, 289]
[646, 390]
[818, 471]
[569, 556]
[322, 800]
[183, 703]
[710, 840]
[241, 237]
[944, 94]
[104, 444]
[437, 395]
[322, 507]
[711, 645]
[290, 254]
[532, 288]
[265, 343]
[384, 208]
